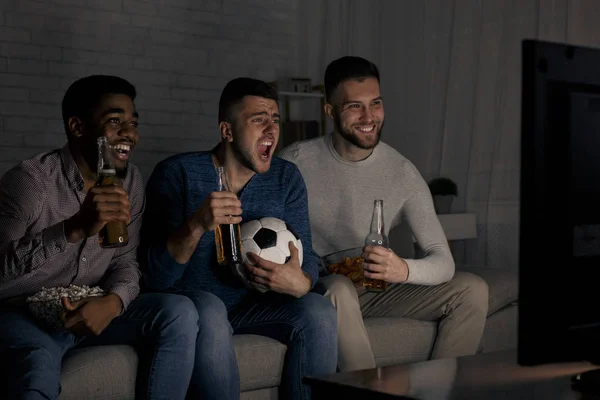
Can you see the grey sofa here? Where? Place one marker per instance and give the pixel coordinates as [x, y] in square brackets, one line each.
[108, 372]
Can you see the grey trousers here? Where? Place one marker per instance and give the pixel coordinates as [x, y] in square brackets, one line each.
[460, 306]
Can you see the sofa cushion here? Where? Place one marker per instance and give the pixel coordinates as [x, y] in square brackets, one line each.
[400, 340]
[503, 284]
[104, 372]
[109, 372]
[500, 330]
[271, 393]
[260, 361]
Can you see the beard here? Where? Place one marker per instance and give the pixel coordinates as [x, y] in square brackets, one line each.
[350, 136]
[244, 155]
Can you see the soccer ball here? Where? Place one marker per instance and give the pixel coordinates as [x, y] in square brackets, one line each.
[269, 238]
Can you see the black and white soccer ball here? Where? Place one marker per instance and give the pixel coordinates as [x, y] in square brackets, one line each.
[269, 237]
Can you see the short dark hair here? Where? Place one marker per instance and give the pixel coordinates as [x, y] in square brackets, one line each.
[236, 89]
[347, 68]
[85, 94]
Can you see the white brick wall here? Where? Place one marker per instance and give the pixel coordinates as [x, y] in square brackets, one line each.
[178, 54]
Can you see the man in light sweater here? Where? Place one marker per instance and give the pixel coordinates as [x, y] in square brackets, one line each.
[345, 171]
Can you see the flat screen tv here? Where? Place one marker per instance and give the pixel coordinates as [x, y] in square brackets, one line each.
[559, 244]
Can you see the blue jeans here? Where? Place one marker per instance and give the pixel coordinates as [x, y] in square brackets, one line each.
[308, 326]
[162, 327]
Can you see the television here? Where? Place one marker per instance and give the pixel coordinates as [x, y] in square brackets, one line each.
[559, 243]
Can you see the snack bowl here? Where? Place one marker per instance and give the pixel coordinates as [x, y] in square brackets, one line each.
[345, 262]
[46, 306]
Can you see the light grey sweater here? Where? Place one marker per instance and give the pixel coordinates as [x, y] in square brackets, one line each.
[340, 203]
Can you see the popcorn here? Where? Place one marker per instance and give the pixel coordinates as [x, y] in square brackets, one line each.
[46, 304]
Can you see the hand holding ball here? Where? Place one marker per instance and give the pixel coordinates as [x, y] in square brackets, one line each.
[269, 238]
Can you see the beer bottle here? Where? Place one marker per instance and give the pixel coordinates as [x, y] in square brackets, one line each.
[227, 236]
[114, 233]
[376, 237]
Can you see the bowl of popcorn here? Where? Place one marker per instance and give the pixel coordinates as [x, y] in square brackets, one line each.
[46, 304]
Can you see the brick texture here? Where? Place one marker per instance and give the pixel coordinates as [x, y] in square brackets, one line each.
[178, 53]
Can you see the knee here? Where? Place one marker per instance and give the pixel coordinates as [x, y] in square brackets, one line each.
[318, 313]
[178, 313]
[43, 359]
[474, 290]
[212, 314]
[37, 370]
[339, 289]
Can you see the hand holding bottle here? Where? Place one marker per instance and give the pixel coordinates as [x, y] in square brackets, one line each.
[384, 265]
[102, 204]
[217, 209]
[377, 237]
[228, 238]
[114, 232]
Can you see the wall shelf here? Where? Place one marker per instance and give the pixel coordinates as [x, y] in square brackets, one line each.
[303, 128]
[301, 94]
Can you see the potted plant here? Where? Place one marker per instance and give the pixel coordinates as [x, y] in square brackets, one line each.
[443, 191]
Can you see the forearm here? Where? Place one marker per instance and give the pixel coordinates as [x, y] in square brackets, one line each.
[298, 287]
[182, 243]
[167, 260]
[123, 280]
[21, 257]
[310, 268]
[310, 283]
[435, 268]
[308, 280]
[437, 265]
[114, 301]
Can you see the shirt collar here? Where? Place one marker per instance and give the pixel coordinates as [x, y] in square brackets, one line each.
[71, 170]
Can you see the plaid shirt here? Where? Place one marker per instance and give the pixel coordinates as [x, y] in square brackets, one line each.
[36, 197]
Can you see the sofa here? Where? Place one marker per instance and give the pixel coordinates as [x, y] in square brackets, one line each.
[108, 372]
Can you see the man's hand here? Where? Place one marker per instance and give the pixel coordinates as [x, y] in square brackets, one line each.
[288, 278]
[90, 316]
[218, 208]
[382, 263]
[101, 205]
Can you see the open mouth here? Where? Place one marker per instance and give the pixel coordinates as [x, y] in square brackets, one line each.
[122, 151]
[366, 128]
[264, 149]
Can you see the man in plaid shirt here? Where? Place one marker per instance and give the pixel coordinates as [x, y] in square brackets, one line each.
[50, 214]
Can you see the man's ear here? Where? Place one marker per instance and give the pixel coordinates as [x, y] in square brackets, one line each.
[328, 108]
[75, 125]
[226, 131]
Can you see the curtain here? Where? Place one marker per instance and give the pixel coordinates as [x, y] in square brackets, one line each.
[451, 81]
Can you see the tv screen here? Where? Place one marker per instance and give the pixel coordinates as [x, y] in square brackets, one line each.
[559, 244]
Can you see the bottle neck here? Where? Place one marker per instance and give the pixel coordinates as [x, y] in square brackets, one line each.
[222, 179]
[377, 225]
[106, 164]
